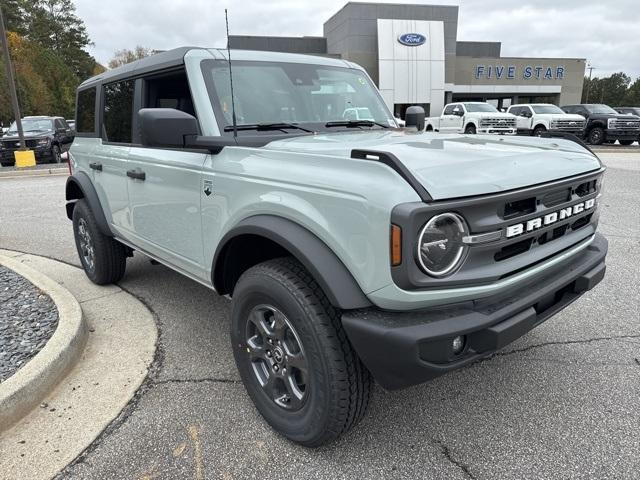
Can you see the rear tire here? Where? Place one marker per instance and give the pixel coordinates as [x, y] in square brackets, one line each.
[298, 368]
[470, 129]
[625, 142]
[596, 136]
[103, 258]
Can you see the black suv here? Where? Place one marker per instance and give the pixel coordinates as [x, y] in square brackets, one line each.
[48, 137]
[604, 124]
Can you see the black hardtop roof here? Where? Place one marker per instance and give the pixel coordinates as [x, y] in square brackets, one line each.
[157, 61]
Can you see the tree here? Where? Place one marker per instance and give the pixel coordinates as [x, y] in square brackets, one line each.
[610, 90]
[124, 56]
[13, 13]
[46, 86]
[632, 97]
[54, 25]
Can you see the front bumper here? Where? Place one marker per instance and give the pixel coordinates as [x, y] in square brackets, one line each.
[611, 134]
[41, 153]
[406, 348]
[498, 131]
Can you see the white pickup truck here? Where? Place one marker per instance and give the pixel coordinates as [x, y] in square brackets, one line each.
[470, 118]
[537, 118]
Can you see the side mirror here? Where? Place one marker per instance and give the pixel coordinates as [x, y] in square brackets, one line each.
[165, 127]
[414, 117]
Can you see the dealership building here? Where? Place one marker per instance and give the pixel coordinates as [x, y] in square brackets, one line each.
[413, 55]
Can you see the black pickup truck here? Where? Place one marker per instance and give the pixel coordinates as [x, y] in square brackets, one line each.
[604, 124]
[48, 137]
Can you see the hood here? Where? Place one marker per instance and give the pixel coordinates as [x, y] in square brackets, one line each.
[493, 114]
[615, 115]
[27, 136]
[452, 166]
[562, 116]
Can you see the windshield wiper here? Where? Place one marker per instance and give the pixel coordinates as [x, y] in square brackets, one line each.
[266, 126]
[355, 123]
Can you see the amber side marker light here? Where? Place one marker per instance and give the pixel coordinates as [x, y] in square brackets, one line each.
[396, 245]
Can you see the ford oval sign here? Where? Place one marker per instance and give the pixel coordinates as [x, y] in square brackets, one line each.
[412, 39]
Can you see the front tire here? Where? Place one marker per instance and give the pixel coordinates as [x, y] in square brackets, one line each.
[470, 129]
[293, 355]
[596, 136]
[539, 130]
[56, 154]
[103, 258]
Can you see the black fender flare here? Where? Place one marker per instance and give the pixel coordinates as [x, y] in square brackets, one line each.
[81, 181]
[320, 261]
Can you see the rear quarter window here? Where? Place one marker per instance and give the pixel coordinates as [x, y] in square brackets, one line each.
[86, 111]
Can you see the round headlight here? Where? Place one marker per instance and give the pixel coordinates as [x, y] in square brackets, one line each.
[440, 246]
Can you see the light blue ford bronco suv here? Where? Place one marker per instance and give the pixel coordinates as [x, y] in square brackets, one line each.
[351, 249]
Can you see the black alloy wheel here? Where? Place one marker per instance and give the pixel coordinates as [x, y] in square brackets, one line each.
[56, 155]
[538, 131]
[596, 136]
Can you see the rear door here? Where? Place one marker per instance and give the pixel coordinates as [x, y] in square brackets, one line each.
[110, 162]
[164, 184]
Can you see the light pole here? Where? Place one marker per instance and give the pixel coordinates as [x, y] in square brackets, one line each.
[24, 157]
[590, 68]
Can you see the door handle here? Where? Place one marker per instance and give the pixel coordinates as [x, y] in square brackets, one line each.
[95, 166]
[137, 174]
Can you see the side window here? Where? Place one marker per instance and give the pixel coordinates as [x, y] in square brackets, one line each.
[515, 110]
[59, 124]
[568, 109]
[528, 111]
[169, 90]
[85, 111]
[448, 110]
[118, 111]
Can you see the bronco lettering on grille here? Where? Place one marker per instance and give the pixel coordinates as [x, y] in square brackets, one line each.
[550, 218]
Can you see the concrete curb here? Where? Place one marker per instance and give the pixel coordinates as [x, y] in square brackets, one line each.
[25, 389]
[34, 172]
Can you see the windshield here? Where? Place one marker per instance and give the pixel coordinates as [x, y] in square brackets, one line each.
[293, 93]
[479, 107]
[599, 108]
[547, 109]
[33, 125]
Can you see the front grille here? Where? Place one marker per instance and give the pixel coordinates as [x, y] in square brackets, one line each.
[624, 124]
[554, 218]
[498, 123]
[15, 144]
[568, 124]
[556, 198]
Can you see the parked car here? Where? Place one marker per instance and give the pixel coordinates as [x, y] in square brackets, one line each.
[351, 250]
[472, 117]
[628, 110]
[48, 137]
[538, 118]
[604, 124]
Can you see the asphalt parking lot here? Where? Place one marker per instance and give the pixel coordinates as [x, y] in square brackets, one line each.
[562, 402]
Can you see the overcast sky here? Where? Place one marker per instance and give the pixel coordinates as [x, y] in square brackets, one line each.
[606, 33]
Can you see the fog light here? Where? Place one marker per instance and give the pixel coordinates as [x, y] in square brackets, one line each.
[458, 344]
